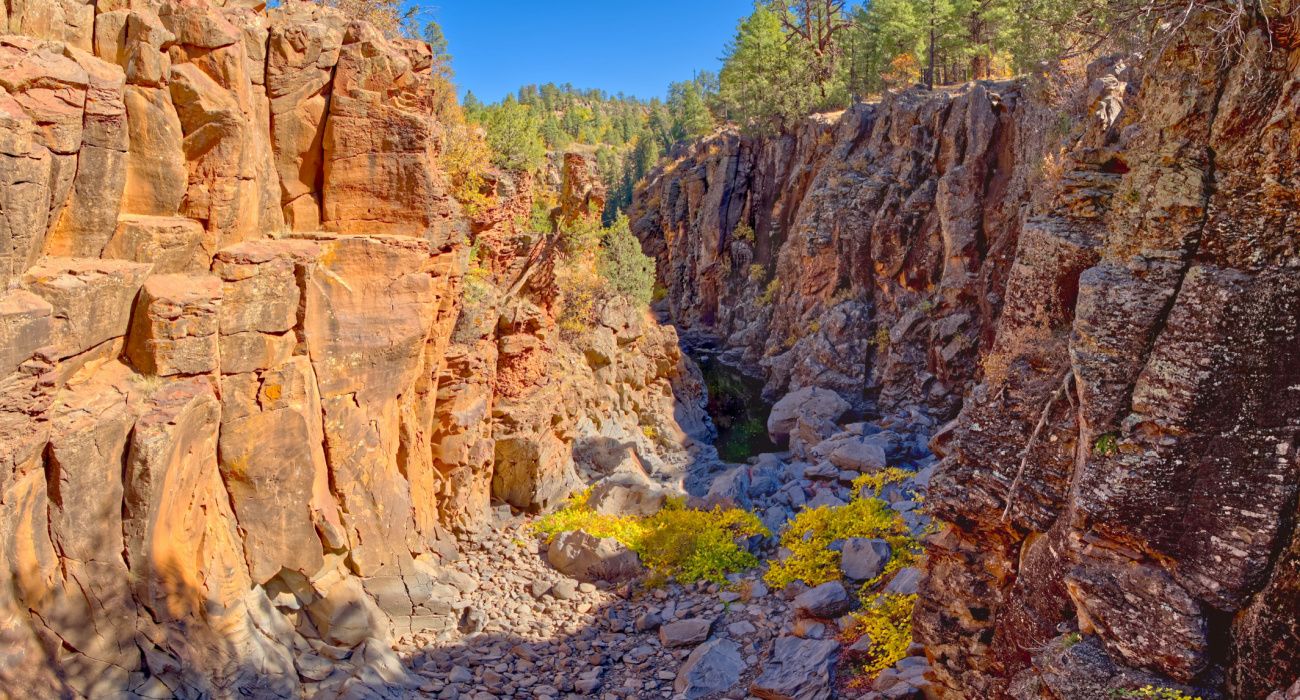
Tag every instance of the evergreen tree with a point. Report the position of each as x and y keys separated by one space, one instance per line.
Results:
x=514 y=135
x=765 y=82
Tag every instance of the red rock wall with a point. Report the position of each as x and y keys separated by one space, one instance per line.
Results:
x=1098 y=273
x=229 y=270
x=881 y=238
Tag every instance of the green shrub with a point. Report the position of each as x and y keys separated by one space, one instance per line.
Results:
x=744 y=232
x=1106 y=445
x=877 y=480
x=881 y=340
x=514 y=135
x=769 y=293
x=756 y=272
x=684 y=543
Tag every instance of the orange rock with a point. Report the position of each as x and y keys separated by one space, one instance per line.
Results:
x=379 y=145
x=272 y=459
x=174 y=330
x=172 y=244
x=92 y=299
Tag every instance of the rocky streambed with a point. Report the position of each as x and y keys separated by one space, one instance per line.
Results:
x=536 y=624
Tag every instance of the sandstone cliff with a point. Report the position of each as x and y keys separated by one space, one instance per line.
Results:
x=236 y=432
x=1097 y=271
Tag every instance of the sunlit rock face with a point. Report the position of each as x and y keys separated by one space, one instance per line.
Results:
x=1095 y=277
x=235 y=427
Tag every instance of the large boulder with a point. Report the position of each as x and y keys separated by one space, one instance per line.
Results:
x=627 y=493
x=863 y=559
x=799 y=669
x=589 y=558
x=813 y=408
x=713 y=667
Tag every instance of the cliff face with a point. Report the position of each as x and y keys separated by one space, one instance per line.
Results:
x=864 y=253
x=236 y=431
x=1098 y=272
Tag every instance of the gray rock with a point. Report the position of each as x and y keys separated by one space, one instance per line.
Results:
x=905 y=582
x=627 y=493
x=825 y=601
x=863 y=559
x=730 y=488
x=859 y=455
x=800 y=669
x=822 y=470
x=712 y=667
x=589 y=558
x=648 y=622
x=811 y=405
x=685 y=632
x=565 y=589
x=460 y=674
x=826 y=498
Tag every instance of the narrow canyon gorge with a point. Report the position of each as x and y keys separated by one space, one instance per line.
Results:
x=281 y=416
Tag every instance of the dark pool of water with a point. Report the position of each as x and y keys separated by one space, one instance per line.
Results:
x=737 y=407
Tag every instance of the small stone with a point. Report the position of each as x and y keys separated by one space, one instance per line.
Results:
x=565 y=589
x=460 y=674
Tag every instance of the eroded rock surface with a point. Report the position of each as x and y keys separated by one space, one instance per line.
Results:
x=236 y=433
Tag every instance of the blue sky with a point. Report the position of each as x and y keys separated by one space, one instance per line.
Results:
x=633 y=46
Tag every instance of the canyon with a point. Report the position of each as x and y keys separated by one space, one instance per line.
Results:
x=278 y=413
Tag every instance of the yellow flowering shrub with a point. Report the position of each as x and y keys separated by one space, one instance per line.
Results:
x=878 y=480
x=885 y=619
x=810 y=534
x=1151 y=692
x=685 y=543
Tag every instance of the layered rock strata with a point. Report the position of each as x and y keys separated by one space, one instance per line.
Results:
x=235 y=431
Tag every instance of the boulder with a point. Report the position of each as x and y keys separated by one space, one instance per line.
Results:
x=533 y=471
x=588 y=558
x=173 y=244
x=799 y=669
x=810 y=405
x=859 y=455
x=713 y=667
x=863 y=559
x=26 y=325
x=626 y=494
x=174 y=330
x=92 y=299
x=906 y=582
x=826 y=601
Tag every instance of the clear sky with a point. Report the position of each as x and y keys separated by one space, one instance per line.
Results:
x=633 y=46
